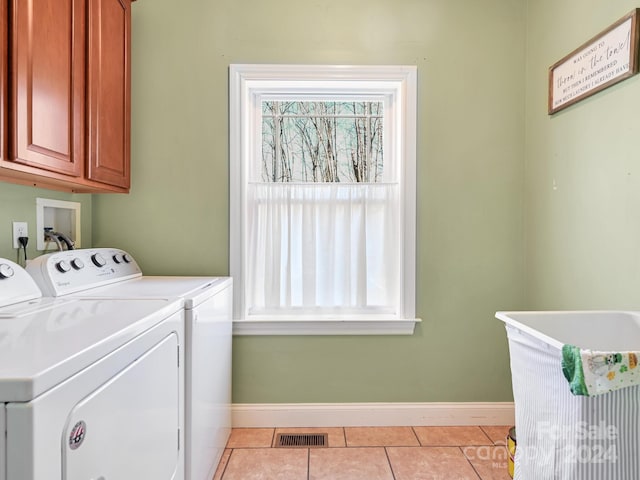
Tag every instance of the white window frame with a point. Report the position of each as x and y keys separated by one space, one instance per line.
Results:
x=248 y=84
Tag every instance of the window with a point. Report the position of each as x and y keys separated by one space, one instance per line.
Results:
x=323 y=199
x=320 y=141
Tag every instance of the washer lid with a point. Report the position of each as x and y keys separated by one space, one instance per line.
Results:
x=192 y=289
x=32 y=306
x=42 y=349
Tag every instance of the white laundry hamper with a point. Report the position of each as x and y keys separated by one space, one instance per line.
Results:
x=566 y=437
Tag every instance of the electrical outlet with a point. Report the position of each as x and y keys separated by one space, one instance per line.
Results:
x=20 y=229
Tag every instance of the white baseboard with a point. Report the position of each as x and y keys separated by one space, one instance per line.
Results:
x=371 y=414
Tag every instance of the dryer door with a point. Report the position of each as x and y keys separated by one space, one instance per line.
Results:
x=128 y=428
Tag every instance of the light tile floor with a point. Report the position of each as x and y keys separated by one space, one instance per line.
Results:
x=369 y=453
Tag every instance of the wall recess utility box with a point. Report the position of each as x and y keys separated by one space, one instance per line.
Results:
x=61 y=216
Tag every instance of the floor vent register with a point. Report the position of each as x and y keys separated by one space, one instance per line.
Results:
x=305 y=440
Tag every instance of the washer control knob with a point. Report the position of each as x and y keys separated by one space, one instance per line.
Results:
x=63 y=266
x=117 y=258
x=126 y=258
x=77 y=264
x=98 y=260
x=5 y=271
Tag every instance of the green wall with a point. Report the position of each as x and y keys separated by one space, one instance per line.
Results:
x=470 y=180
x=516 y=209
x=18 y=203
x=582 y=171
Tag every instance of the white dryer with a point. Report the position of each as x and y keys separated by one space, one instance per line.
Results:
x=89 y=389
x=208 y=335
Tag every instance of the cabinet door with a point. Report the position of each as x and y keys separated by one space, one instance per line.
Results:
x=48 y=46
x=4 y=79
x=109 y=98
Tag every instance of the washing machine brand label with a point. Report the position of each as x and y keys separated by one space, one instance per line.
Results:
x=76 y=437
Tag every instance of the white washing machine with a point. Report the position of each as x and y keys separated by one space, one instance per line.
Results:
x=89 y=389
x=208 y=335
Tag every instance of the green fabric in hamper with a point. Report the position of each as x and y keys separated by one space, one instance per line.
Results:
x=572 y=369
x=604 y=372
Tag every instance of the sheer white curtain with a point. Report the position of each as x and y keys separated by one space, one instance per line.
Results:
x=326 y=250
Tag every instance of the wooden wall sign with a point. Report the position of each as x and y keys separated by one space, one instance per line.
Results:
x=606 y=59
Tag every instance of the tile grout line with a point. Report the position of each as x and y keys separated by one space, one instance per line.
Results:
x=224 y=470
x=386 y=454
x=487 y=435
x=416 y=437
x=470 y=463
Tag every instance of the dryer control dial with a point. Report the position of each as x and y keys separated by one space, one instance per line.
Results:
x=6 y=271
x=77 y=264
x=63 y=266
x=98 y=260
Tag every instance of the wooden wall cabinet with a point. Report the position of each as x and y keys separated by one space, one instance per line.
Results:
x=65 y=91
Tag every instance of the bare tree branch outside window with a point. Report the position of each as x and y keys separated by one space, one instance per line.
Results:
x=322 y=142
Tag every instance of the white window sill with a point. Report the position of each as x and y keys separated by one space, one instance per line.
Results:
x=325 y=327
